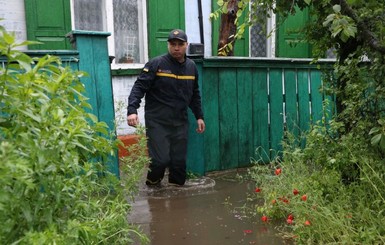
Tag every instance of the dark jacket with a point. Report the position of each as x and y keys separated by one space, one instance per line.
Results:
x=170 y=88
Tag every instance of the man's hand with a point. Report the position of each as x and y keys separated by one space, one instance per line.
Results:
x=132 y=120
x=201 y=126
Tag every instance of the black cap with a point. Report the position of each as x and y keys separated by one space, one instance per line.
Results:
x=177 y=34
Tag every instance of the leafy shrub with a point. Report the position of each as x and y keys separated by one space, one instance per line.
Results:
x=54 y=185
x=310 y=197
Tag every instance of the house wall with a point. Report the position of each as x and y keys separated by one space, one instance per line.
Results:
x=13 y=15
x=121 y=87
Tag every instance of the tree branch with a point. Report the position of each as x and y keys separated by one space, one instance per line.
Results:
x=365 y=34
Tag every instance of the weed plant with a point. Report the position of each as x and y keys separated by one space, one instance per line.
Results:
x=330 y=192
x=55 y=188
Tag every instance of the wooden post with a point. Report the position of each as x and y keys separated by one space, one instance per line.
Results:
x=94 y=59
x=195 y=148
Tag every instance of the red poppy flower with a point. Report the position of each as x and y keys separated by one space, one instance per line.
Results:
x=304 y=198
x=283 y=199
x=257 y=189
x=307 y=223
x=290 y=216
x=278 y=171
x=264 y=218
x=289 y=221
x=295 y=192
x=247 y=231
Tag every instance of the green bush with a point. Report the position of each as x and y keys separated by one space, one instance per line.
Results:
x=333 y=210
x=54 y=185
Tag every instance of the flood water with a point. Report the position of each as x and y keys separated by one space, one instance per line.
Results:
x=204 y=212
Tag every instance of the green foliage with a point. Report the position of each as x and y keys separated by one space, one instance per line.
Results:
x=341 y=168
x=334 y=211
x=340 y=25
x=379 y=134
x=55 y=188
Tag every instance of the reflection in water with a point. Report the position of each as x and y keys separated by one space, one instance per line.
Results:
x=196 y=215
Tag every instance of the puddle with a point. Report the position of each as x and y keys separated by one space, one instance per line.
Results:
x=197 y=215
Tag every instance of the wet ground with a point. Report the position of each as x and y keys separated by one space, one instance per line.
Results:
x=203 y=212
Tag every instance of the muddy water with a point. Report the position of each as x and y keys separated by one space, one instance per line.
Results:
x=200 y=214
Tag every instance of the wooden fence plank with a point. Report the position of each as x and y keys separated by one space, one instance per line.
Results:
x=195 y=148
x=303 y=101
x=276 y=111
x=316 y=96
x=103 y=86
x=260 y=115
x=245 y=117
x=210 y=98
x=94 y=59
x=291 y=108
x=228 y=123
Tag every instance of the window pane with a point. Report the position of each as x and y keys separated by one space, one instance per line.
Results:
x=126 y=31
x=258 y=41
x=89 y=15
x=258 y=37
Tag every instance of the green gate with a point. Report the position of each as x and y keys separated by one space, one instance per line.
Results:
x=248 y=105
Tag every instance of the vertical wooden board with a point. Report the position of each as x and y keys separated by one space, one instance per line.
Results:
x=245 y=116
x=103 y=88
x=303 y=99
x=86 y=53
x=316 y=96
x=210 y=101
x=276 y=111
x=261 y=136
x=94 y=60
x=291 y=108
x=228 y=123
x=195 y=148
x=103 y=82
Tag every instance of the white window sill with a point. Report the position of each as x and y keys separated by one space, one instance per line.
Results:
x=126 y=66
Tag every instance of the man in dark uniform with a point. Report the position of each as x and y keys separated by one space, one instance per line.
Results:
x=170 y=85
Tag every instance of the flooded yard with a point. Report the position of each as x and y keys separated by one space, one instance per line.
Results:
x=204 y=212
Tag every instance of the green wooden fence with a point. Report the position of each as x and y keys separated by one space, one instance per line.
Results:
x=248 y=105
x=248 y=102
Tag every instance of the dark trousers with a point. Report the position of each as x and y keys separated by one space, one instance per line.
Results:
x=167 y=147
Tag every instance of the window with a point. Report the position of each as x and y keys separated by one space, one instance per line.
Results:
x=89 y=15
x=258 y=41
x=124 y=19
